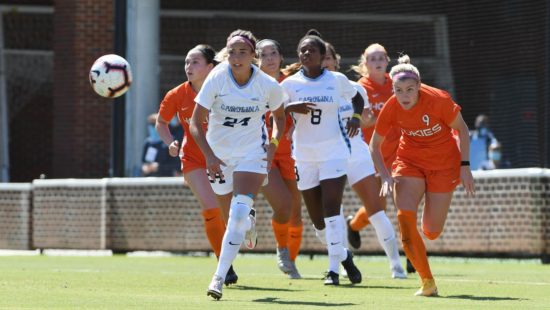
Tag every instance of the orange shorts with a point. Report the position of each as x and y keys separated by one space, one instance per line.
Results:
x=190 y=163
x=437 y=181
x=285 y=164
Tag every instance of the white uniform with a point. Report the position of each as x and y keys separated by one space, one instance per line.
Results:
x=236 y=125
x=320 y=144
x=360 y=164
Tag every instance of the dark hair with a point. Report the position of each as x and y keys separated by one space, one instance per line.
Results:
x=208 y=52
x=336 y=56
x=314 y=36
x=262 y=43
x=245 y=34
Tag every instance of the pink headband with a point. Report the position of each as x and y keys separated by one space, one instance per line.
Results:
x=241 y=39
x=405 y=75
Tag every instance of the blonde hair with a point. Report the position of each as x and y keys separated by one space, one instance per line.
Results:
x=361 y=67
x=404 y=65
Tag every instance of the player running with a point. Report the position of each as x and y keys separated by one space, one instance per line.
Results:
x=287 y=215
x=235 y=98
x=361 y=177
x=429 y=163
x=321 y=147
x=181 y=101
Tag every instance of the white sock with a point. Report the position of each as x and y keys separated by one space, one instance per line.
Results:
x=344 y=228
x=386 y=236
x=321 y=235
x=237 y=225
x=336 y=250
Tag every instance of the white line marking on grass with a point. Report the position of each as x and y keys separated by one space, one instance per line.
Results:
x=54 y=252
x=19 y=253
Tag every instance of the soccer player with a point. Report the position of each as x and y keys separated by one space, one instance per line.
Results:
x=429 y=163
x=321 y=146
x=372 y=69
x=181 y=101
x=287 y=215
x=235 y=98
x=361 y=177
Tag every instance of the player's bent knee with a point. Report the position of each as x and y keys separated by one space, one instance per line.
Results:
x=238 y=214
x=432 y=235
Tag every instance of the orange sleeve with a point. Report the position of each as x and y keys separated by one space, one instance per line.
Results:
x=168 y=106
x=384 y=122
x=449 y=110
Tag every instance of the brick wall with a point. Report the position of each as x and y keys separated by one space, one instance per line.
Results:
x=510 y=216
x=82 y=120
x=15 y=216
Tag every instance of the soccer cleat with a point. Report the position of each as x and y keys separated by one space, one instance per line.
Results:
x=343 y=272
x=294 y=274
x=397 y=272
x=354 y=238
x=283 y=260
x=231 y=277
x=251 y=237
x=354 y=274
x=331 y=278
x=215 y=287
x=428 y=288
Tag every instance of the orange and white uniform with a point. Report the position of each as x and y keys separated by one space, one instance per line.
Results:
x=427 y=148
x=283 y=156
x=181 y=100
x=378 y=95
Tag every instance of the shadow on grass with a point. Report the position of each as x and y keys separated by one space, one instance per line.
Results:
x=256 y=288
x=483 y=298
x=275 y=300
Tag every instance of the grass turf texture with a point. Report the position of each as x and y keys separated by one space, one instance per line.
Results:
x=120 y=282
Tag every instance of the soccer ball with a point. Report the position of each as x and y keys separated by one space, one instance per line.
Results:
x=110 y=76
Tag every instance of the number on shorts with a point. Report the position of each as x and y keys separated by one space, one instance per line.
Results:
x=216 y=177
x=296 y=173
x=231 y=122
x=316 y=116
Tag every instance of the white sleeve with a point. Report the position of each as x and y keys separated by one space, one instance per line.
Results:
x=286 y=96
x=208 y=93
x=346 y=88
x=276 y=96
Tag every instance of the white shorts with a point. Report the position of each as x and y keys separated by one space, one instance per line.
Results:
x=310 y=174
x=360 y=169
x=241 y=164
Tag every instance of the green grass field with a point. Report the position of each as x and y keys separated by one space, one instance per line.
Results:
x=120 y=282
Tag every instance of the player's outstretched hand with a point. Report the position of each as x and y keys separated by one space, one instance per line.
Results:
x=467 y=180
x=300 y=107
x=174 y=148
x=387 y=185
x=353 y=126
x=213 y=167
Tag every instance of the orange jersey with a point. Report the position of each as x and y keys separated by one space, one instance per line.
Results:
x=284 y=148
x=426 y=138
x=181 y=100
x=378 y=95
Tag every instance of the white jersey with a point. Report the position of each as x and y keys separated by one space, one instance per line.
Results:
x=236 y=124
x=359 y=148
x=319 y=135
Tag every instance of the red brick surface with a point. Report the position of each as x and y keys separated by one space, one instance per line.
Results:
x=82 y=120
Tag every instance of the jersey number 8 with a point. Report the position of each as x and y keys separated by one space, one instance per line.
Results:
x=316 y=116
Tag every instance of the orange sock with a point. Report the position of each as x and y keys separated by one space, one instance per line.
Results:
x=215 y=228
x=281 y=233
x=360 y=220
x=413 y=244
x=294 y=240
